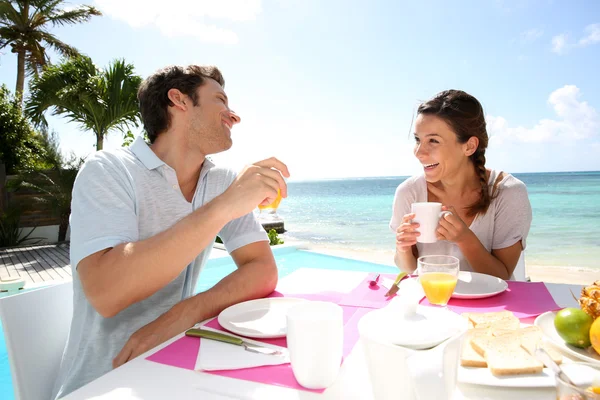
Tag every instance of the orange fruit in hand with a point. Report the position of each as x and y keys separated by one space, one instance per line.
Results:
x=595 y=335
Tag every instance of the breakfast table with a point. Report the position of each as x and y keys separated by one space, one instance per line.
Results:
x=162 y=373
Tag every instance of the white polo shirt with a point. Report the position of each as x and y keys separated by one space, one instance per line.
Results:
x=123 y=196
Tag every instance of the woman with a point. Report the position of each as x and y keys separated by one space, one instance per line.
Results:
x=491 y=213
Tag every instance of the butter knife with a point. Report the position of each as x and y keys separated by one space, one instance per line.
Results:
x=222 y=337
x=395 y=286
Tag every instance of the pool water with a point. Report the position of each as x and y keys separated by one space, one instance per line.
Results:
x=288 y=260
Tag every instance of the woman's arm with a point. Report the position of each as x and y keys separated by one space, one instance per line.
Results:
x=500 y=263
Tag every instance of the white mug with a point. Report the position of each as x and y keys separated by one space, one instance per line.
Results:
x=427 y=215
x=315 y=339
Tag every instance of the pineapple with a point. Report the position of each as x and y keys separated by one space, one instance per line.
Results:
x=590 y=300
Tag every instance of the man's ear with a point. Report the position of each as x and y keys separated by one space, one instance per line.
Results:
x=178 y=99
x=471 y=146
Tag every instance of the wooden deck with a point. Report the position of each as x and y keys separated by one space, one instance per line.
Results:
x=36 y=264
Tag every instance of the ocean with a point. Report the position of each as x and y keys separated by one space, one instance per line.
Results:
x=355 y=213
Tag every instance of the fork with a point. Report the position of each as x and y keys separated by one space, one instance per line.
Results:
x=222 y=337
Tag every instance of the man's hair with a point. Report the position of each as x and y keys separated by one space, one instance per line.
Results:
x=153 y=93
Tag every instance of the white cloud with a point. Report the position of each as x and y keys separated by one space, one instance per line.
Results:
x=575 y=120
x=531 y=35
x=559 y=43
x=184 y=17
x=593 y=35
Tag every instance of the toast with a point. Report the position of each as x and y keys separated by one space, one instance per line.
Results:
x=512 y=361
x=469 y=357
x=498 y=343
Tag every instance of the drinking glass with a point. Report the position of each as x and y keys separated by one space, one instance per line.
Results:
x=438 y=276
x=586 y=377
x=269 y=212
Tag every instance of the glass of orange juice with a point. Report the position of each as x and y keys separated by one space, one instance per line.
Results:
x=269 y=211
x=438 y=276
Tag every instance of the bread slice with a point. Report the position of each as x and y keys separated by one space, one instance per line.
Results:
x=483 y=344
x=489 y=317
x=470 y=323
x=469 y=357
x=512 y=361
x=531 y=337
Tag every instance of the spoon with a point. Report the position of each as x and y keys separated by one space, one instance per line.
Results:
x=543 y=356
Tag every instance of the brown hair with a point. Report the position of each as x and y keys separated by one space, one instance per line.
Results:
x=153 y=98
x=464 y=114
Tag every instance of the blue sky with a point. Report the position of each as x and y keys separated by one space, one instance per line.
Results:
x=330 y=86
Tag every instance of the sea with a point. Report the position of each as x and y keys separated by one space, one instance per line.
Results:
x=354 y=214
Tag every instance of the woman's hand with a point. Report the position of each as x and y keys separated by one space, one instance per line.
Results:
x=452 y=228
x=406 y=234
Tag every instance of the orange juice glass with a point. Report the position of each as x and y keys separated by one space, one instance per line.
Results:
x=275 y=202
x=438 y=276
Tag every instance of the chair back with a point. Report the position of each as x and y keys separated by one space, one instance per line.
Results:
x=36 y=326
x=520 y=274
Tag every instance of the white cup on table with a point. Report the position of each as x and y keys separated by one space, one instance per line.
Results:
x=315 y=339
x=427 y=215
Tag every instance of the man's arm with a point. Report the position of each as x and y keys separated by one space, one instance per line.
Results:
x=117 y=277
x=256 y=277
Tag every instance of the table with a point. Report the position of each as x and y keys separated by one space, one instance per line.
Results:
x=143 y=379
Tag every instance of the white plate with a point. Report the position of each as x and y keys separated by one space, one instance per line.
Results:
x=473 y=285
x=261 y=319
x=546 y=324
x=482 y=376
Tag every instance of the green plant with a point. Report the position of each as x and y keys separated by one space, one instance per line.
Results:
x=25 y=26
x=218 y=240
x=274 y=238
x=53 y=189
x=21 y=147
x=98 y=100
x=10 y=234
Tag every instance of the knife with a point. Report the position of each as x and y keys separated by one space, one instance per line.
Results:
x=395 y=286
x=222 y=337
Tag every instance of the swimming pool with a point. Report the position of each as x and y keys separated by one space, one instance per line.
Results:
x=288 y=258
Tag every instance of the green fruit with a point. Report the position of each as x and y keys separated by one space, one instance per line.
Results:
x=573 y=326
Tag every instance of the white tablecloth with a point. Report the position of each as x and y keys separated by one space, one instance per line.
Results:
x=143 y=379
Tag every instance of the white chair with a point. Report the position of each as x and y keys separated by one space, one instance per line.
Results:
x=520 y=274
x=36 y=325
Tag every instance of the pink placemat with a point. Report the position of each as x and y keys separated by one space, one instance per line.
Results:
x=524 y=299
x=367 y=296
x=183 y=353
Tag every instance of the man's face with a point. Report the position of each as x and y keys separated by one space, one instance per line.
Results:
x=211 y=119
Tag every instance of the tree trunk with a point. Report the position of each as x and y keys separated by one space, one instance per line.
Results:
x=99 y=141
x=62 y=227
x=20 y=76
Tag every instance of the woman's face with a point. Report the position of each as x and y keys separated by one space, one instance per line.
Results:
x=437 y=148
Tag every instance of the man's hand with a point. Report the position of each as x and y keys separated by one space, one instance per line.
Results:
x=147 y=337
x=257 y=184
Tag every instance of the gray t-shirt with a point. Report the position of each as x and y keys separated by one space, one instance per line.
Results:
x=123 y=196
x=506 y=221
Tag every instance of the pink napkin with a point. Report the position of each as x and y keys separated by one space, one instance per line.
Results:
x=368 y=296
x=183 y=353
x=524 y=299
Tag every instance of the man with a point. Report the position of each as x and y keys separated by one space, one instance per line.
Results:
x=144 y=220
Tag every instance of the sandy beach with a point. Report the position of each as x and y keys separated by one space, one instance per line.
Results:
x=537 y=273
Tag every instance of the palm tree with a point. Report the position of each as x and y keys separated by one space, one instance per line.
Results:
x=99 y=100
x=24 y=26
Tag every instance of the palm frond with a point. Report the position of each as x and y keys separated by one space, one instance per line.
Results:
x=8 y=14
x=76 y=15
x=61 y=47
